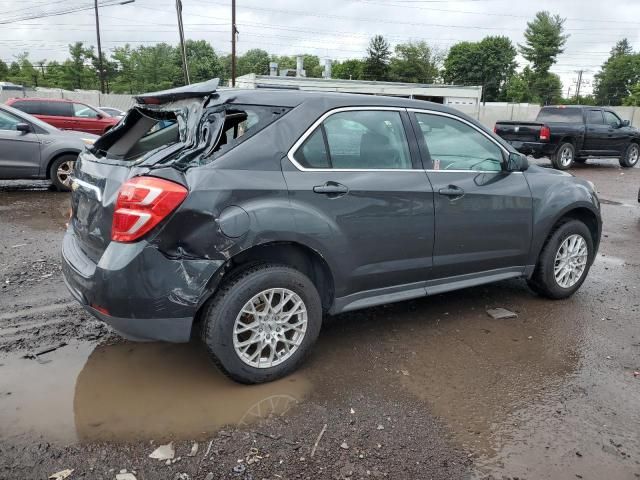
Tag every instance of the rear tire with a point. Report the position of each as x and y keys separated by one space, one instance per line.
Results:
x=61 y=170
x=558 y=273
x=245 y=337
x=564 y=157
x=631 y=156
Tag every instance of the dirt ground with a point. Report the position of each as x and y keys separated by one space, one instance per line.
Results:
x=427 y=389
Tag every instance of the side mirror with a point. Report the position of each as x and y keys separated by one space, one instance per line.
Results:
x=517 y=162
x=23 y=127
x=626 y=123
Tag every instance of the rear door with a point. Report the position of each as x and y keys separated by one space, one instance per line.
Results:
x=58 y=114
x=360 y=196
x=19 y=151
x=483 y=215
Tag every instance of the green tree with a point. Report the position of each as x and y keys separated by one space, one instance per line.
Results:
x=348 y=70
x=619 y=73
x=255 y=61
x=633 y=100
x=202 y=60
x=79 y=69
x=4 y=70
x=544 y=41
x=547 y=88
x=377 y=62
x=518 y=87
x=414 y=62
x=489 y=63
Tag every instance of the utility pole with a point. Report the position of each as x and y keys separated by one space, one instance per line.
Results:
x=234 y=31
x=101 y=72
x=183 y=48
x=579 y=83
x=100 y=66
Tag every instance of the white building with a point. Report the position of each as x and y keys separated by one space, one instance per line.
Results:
x=452 y=95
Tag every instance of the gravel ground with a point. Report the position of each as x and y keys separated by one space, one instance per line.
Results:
x=432 y=388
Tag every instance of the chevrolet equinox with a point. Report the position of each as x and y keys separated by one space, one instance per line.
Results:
x=244 y=216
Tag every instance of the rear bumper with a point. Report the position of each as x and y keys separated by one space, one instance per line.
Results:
x=537 y=149
x=140 y=292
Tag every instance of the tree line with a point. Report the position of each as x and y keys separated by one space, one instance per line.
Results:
x=490 y=63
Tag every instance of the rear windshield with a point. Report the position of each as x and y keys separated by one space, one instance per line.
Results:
x=205 y=133
x=554 y=114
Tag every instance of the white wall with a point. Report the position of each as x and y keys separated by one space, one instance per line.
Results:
x=488 y=114
x=123 y=102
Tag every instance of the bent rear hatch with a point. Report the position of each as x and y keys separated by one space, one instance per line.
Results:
x=165 y=134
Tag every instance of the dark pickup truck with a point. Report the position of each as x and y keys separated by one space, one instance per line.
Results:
x=568 y=134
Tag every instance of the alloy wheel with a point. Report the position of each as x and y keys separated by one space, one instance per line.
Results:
x=633 y=155
x=566 y=156
x=65 y=171
x=571 y=261
x=270 y=328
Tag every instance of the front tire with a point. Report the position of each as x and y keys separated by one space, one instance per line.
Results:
x=61 y=171
x=631 y=156
x=564 y=261
x=260 y=325
x=564 y=157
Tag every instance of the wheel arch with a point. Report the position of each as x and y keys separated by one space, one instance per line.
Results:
x=54 y=157
x=293 y=254
x=583 y=214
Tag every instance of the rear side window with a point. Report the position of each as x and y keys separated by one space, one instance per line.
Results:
x=594 y=117
x=32 y=108
x=357 y=140
x=559 y=115
x=56 y=109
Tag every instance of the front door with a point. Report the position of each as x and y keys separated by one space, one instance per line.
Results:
x=362 y=200
x=483 y=215
x=597 y=138
x=619 y=135
x=19 y=151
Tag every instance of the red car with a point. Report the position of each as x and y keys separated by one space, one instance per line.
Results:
x=66 y=114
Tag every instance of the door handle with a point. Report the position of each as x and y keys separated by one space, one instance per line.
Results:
x=452 y=191
x=331 y=188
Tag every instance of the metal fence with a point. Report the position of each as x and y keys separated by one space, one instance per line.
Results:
x=488 y=114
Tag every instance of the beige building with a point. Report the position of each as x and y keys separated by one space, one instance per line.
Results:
x=452 y=95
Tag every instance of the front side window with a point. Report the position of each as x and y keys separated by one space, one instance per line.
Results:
x=82 y=111
x=612 y=119
x=358 y=140
x=454 y=145
x=594 y=117
x=8 y=121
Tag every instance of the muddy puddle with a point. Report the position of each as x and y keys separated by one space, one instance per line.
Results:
x=39 y=209
x=127 y=392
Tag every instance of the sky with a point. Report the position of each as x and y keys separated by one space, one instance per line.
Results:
x=336 y=29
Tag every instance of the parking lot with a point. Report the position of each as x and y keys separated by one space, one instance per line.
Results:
x=431 y=388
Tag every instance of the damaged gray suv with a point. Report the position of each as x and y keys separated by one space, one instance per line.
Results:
x=245 y=216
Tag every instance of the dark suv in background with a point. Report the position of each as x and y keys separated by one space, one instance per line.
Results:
x=66 y=114
x=259 y=211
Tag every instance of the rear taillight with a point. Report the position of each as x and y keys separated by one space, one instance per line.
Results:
x=495 y=129
x=545 y=134
x=142 y=203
